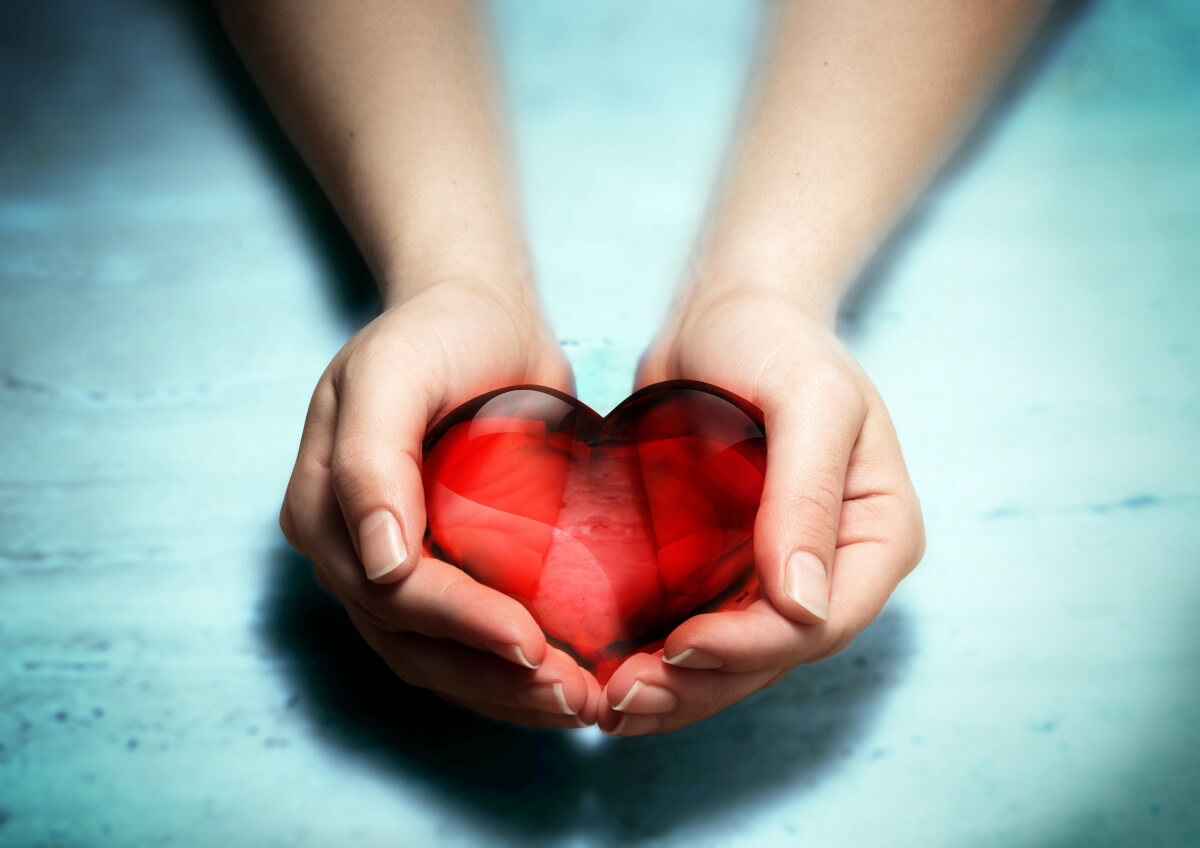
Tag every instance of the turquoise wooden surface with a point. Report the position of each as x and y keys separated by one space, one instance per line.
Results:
x=171 y=286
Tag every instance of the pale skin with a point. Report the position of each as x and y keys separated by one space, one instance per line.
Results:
x=394 y=105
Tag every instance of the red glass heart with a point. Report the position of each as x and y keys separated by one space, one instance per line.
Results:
x=609 y=530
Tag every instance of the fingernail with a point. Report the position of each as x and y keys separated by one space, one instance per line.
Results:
x=805 y=582
x=381 y=544
x=647 y=699
x=545 y=697
x=511 y=652
x=691 y=658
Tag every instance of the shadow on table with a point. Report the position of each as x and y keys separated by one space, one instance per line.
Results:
x=351 y=290
x=537 y=786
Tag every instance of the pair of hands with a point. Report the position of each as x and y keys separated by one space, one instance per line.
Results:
x=838 y=526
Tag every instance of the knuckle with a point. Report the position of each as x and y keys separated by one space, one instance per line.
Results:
x=918 y=550
x=837 y=642
x=828 y=386
x=353 y=470
x=438 y=613
x=710 y=700
x=847 y=637
x=794 y=652
x=776 y=678
x=323 y=579
x=367 y=606
x=918 y=534
x=376 y=360
x=360 y=366
x=815 y=508
x=323 y=397
x=911 y=527
x=289 y=523
x=821 y=377
x=786 y=656
x=296 y=525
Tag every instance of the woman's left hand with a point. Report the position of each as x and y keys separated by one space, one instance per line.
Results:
x=838 y=527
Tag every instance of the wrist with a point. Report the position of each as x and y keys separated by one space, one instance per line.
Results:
x=512 y=297
x=808 y=273
x=508 y=280
x=711 y=284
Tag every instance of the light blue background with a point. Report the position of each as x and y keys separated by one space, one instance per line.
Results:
x=171 y=287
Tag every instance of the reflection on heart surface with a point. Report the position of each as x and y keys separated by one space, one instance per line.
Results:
x=610 y=530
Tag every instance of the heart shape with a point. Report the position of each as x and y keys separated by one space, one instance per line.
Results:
x=609 y=530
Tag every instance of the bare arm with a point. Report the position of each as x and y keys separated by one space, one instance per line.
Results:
x=852 y=109
x=394 y=107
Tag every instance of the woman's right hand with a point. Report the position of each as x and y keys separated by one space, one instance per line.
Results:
x=355 y=503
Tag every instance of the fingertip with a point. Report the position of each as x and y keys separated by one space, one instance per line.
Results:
x=595 y=692
x=514 y=653
x=703 y=641
x=621 y=702
x=693 y=658
x=534 y=647
x=568 y=684
x=385 y=556
x=802 y=593
x=607 y=718
x=576 y=694
x=635 y=669
x=525 y=644
x=401 y=571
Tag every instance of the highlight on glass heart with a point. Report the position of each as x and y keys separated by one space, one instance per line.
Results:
x=610 y=530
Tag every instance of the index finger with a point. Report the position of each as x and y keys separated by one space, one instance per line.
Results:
x=760 y=637
x=437 y=599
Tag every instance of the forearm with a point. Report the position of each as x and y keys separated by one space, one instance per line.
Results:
x=393 y=105
x=852 y=110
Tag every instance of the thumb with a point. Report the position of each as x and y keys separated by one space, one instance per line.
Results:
x=376 y=470
x=795 y=532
